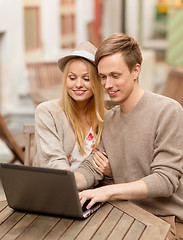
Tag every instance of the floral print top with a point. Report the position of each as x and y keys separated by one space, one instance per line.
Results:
x=75 y=158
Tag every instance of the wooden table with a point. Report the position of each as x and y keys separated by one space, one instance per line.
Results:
x=114 y=220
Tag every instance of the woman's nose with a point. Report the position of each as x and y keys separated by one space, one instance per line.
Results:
x=79 y=83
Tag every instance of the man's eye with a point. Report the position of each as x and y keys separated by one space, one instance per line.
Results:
x=102 y=77
x=115 y=75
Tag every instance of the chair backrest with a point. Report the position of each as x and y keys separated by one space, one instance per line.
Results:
x=45 y=81
x=174 y=85
x=44 y=75
x=8 y=138
x=30 y=146
x=109 y=104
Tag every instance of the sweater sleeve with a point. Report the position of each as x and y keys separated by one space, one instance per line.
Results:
x=167 y=165
x=50 y=152
x=88 y=170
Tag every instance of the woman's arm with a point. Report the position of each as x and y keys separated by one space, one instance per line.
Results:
x=49 y=137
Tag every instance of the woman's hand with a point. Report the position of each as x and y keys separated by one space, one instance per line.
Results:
x=101 y=163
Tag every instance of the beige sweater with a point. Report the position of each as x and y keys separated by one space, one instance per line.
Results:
x=55 y=138
x=147 y=144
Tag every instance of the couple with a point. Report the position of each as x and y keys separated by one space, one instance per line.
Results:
x=141 y=141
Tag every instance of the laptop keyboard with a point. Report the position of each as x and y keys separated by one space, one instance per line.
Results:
x=93 y=207
x=84 y=206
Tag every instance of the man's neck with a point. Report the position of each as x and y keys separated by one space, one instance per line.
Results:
x=132 y=101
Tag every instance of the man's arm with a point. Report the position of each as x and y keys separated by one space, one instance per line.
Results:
x=80 y=181
x=124 y=191
x=87 y=175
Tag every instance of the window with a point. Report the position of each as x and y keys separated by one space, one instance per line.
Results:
x=67 y=19
x=32 y=28
x=32 y=32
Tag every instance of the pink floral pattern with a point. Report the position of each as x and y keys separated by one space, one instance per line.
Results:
x=69 y=158
x=75 y=158
x=90 y=137
x=92 y=146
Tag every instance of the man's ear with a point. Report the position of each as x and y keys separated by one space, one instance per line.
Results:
x=137 y=69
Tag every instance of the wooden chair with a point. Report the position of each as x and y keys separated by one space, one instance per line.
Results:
x=174 y=85
x=16 y=143
x=30 y=146
x=45 y=81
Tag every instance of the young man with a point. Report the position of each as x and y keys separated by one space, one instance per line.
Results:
x=142 y=137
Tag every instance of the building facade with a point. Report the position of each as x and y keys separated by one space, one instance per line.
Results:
x=44 y=30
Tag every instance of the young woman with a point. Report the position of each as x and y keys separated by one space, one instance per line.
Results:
x=67 y=130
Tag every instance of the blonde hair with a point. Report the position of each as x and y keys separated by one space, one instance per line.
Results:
x=94 y=107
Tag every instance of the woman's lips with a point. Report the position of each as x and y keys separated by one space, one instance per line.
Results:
x=79 y=92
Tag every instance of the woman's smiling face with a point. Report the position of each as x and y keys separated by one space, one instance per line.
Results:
x=78 y=83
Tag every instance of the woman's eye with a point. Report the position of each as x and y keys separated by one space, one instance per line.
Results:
x=72 y=77
x=86 y=79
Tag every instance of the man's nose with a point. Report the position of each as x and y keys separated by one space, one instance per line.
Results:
x=108 y=83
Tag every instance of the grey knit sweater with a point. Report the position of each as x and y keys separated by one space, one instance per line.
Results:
x=147 y=144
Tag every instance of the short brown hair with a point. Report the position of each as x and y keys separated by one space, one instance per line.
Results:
x=120 y=43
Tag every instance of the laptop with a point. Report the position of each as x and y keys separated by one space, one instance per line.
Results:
x=43 y=190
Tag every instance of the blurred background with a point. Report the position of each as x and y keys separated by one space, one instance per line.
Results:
x=34 y=34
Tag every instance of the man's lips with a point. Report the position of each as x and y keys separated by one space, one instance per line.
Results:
x=112 y=93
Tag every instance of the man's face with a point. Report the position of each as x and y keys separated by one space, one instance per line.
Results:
x=117 y=80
